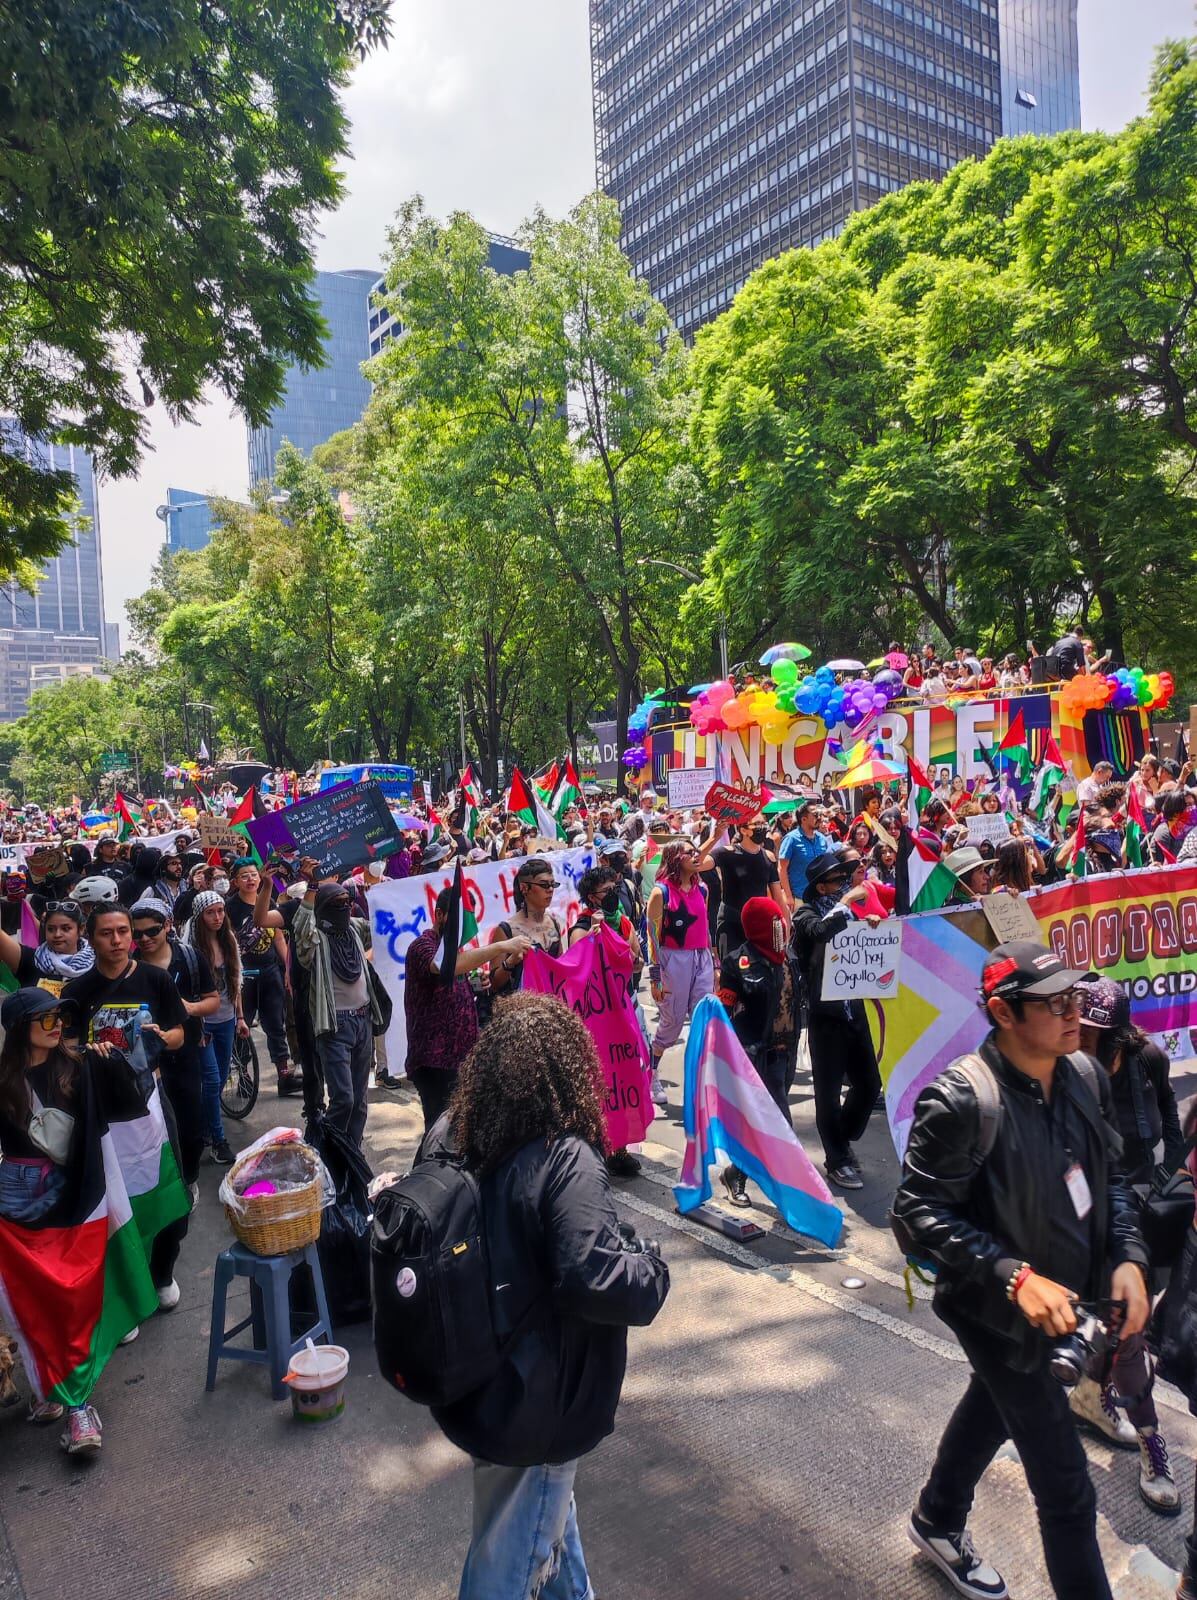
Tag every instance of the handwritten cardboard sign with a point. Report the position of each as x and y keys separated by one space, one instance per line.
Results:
x=990 y=826
x=862 y=963
x=215 y=834
x=344 y=827
x=686 y=787
x=1010 y=917
x=726 y=804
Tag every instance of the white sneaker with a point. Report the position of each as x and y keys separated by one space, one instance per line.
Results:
x=1094 y=1406
x=130 y=1336
x=657 y=1091
x=82 y=1432
x=1156 y=1483
x=168 y=1298
x=194 y=1191
x=954 y=1555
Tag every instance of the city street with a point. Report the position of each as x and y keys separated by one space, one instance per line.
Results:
x=773 y=1430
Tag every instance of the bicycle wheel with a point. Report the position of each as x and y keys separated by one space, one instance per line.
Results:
x=239 y=1091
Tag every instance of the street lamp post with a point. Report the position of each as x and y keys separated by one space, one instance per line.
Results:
x=656 y=561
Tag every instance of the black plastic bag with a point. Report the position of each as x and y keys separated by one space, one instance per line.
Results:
x=345 y=1226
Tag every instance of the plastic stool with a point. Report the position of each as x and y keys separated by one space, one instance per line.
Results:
x=270 y=1311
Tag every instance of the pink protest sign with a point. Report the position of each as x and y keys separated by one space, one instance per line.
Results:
x=592 y=980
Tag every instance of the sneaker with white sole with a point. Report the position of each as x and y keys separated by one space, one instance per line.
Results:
x=1156 y=1483
x=81 y=1436
x=130 y=1336
x=41 y=1411
x=1094 y=1405
x=657 y=1091
x=168 y=1296
x=845 y=1176
x=954 y=1555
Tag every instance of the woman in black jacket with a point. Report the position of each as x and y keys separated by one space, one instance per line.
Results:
x=527 y=1115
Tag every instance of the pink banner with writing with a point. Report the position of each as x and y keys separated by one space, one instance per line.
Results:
x=592 y=980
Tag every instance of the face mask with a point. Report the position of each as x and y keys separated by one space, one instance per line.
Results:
x=609 y=904
x=759 y=835
x=221 y=885
x=335 y=917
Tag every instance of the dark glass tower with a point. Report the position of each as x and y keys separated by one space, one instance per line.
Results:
x=731 y=130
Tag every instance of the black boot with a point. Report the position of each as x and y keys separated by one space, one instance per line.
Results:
x=736 y=1185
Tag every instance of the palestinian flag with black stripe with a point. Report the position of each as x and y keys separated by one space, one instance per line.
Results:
x=461 y=928
x=73 y=1284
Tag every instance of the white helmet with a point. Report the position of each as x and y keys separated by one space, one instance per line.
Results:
x=96 y=891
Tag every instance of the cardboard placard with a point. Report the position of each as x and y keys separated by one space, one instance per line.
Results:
x=990 y=826
x=1010 y=917
x=215 y=834
x=686 y=787
x=344 y=827
x=726 y=804
x=862 y=963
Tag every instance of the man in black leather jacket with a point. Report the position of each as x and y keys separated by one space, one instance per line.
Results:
x=1018 y=1236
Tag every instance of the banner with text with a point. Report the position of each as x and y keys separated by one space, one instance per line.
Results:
x=1138 y=928
x=401 y=909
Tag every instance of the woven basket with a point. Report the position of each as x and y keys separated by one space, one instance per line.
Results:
x=276 y=1224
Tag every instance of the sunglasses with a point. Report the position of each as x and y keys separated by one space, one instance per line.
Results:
x=67 y=908
x=541 y=883
x=49 y=1020
x=141 y=934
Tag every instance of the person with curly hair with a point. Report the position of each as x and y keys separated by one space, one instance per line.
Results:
x=527 y=1117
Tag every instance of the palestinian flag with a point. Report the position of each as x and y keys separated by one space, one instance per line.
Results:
x=467 y=811
x=1136 y=828
x=568 y=792
x=248 y=811
x=546 y=782
x=921 y=789
x=461 y=928
x=1072 y=853
x=1014 y=747
x=1047 y=779
x=72 y=1286
x=922 y=881
x=129 y=814
x=525 y=801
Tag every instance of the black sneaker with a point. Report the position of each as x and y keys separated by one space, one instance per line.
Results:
x=222 y=1155
x=955 y=1557
x=623 y=1164
x=289 y=1083
x=384 y=1080
x=734 y=1181
x=845 y=1176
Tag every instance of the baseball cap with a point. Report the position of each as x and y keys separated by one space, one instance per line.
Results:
x=613 y=847
x=1024 y=969
x=1104 y=1004
x=24 y=1004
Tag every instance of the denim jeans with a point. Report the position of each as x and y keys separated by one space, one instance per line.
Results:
x=1031 y=1409
x=214 y=1064
x=525 y=1543
x=346 y=1058
x=27 y=1192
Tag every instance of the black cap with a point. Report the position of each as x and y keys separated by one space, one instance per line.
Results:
x=25 y=1004
x=1024 y=969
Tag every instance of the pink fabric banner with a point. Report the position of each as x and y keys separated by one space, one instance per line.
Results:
x=592 y=980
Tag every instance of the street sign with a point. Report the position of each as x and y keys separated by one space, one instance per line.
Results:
x=116 y=761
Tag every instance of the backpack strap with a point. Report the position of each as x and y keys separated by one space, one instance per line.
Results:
x=1083 y=1066
x=982 y=1082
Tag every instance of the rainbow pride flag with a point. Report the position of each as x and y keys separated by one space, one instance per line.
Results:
x=729 y=1111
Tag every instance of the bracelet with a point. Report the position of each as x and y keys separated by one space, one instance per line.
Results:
x=508 y=964
x=1017 y=1278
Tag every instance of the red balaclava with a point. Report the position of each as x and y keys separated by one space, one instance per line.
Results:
x=764 y=928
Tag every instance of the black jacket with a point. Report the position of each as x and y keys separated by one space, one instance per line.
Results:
x=978 y=1222
x=1145 y=1112
x=810 y=934
x=756 y=982
x=560 y=1268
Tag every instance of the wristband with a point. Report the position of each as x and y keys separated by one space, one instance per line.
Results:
x=1017 y=1279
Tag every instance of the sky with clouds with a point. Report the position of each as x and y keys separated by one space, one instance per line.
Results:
x=484 y=106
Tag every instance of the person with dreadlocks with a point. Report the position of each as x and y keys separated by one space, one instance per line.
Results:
x=62 y=954
x=345 y=999
x=527 y=1118
x=680 y=968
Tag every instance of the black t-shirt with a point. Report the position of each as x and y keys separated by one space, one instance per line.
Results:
x=743 y=874
x=1070 y=653
x=301 y=976
x=190 y=989
x=110 y=1011
x=256 y=945
x=25 y=972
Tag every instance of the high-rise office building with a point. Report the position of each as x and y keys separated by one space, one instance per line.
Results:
x=323 y=400
x=503 y=255
x=731 y=130
x=187 y=516
x=62 y=623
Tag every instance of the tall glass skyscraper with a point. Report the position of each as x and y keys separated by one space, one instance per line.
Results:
x=187 y=516
x=62 y=623
x=1041 y=77
x=324 y=400
x=731 y=130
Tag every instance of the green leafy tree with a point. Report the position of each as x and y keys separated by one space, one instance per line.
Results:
x=161 y=170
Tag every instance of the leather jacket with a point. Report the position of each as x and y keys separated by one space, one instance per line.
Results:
x=979 y=1220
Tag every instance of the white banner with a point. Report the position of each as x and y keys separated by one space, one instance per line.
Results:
x=401 y=909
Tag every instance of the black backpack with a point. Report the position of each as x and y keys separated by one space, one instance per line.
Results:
x=434 y=1330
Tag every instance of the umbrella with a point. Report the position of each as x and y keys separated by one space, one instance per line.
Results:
x=898 y=660
x=699 y=688
x=846 y=664
x=871 y=771
x=784 y=652
x=873 y=665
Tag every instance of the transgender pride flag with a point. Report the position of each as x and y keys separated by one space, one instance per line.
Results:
x=729 y=1110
